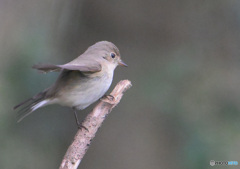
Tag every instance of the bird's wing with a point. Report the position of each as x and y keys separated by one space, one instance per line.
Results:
x=83 y=65
x=45 y=68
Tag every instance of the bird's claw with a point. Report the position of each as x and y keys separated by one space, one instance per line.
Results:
x=80 y=126
x=108 y=99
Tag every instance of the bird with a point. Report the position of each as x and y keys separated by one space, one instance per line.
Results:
x=80 y=83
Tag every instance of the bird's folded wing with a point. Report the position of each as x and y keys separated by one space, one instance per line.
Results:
x=84 y=66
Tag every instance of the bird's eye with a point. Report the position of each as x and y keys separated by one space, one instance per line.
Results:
x=113 y=55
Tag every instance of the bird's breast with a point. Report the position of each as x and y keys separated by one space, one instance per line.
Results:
x=83 y=91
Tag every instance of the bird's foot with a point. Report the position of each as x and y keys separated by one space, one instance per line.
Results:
x=108 y=99
x=80 y=126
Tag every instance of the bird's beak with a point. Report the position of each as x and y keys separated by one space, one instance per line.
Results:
x=121 y=63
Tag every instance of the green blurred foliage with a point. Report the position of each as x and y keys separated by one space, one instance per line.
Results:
x=184 y=63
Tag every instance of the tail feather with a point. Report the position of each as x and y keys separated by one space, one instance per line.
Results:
x=24 y=102
x=30 y=105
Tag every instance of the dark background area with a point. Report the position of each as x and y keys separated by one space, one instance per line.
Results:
x=184 y=63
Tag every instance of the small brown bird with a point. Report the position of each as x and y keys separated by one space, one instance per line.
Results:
x=81 y=81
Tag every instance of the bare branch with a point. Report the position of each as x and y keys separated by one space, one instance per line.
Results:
x=93 y=121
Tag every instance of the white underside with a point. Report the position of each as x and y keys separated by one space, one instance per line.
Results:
x=82 y=96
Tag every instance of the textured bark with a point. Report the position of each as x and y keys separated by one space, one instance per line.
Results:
x=93 y=121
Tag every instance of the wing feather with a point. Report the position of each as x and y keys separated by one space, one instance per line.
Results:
x=83 y=65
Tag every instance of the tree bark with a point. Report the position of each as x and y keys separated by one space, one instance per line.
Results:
x=92 y=122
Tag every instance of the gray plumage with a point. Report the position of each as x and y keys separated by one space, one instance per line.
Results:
x=81 y=81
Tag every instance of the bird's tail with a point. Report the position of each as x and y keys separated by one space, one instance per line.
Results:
x=30 y=105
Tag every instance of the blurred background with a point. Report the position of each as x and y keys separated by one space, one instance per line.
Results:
x=184 y=63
